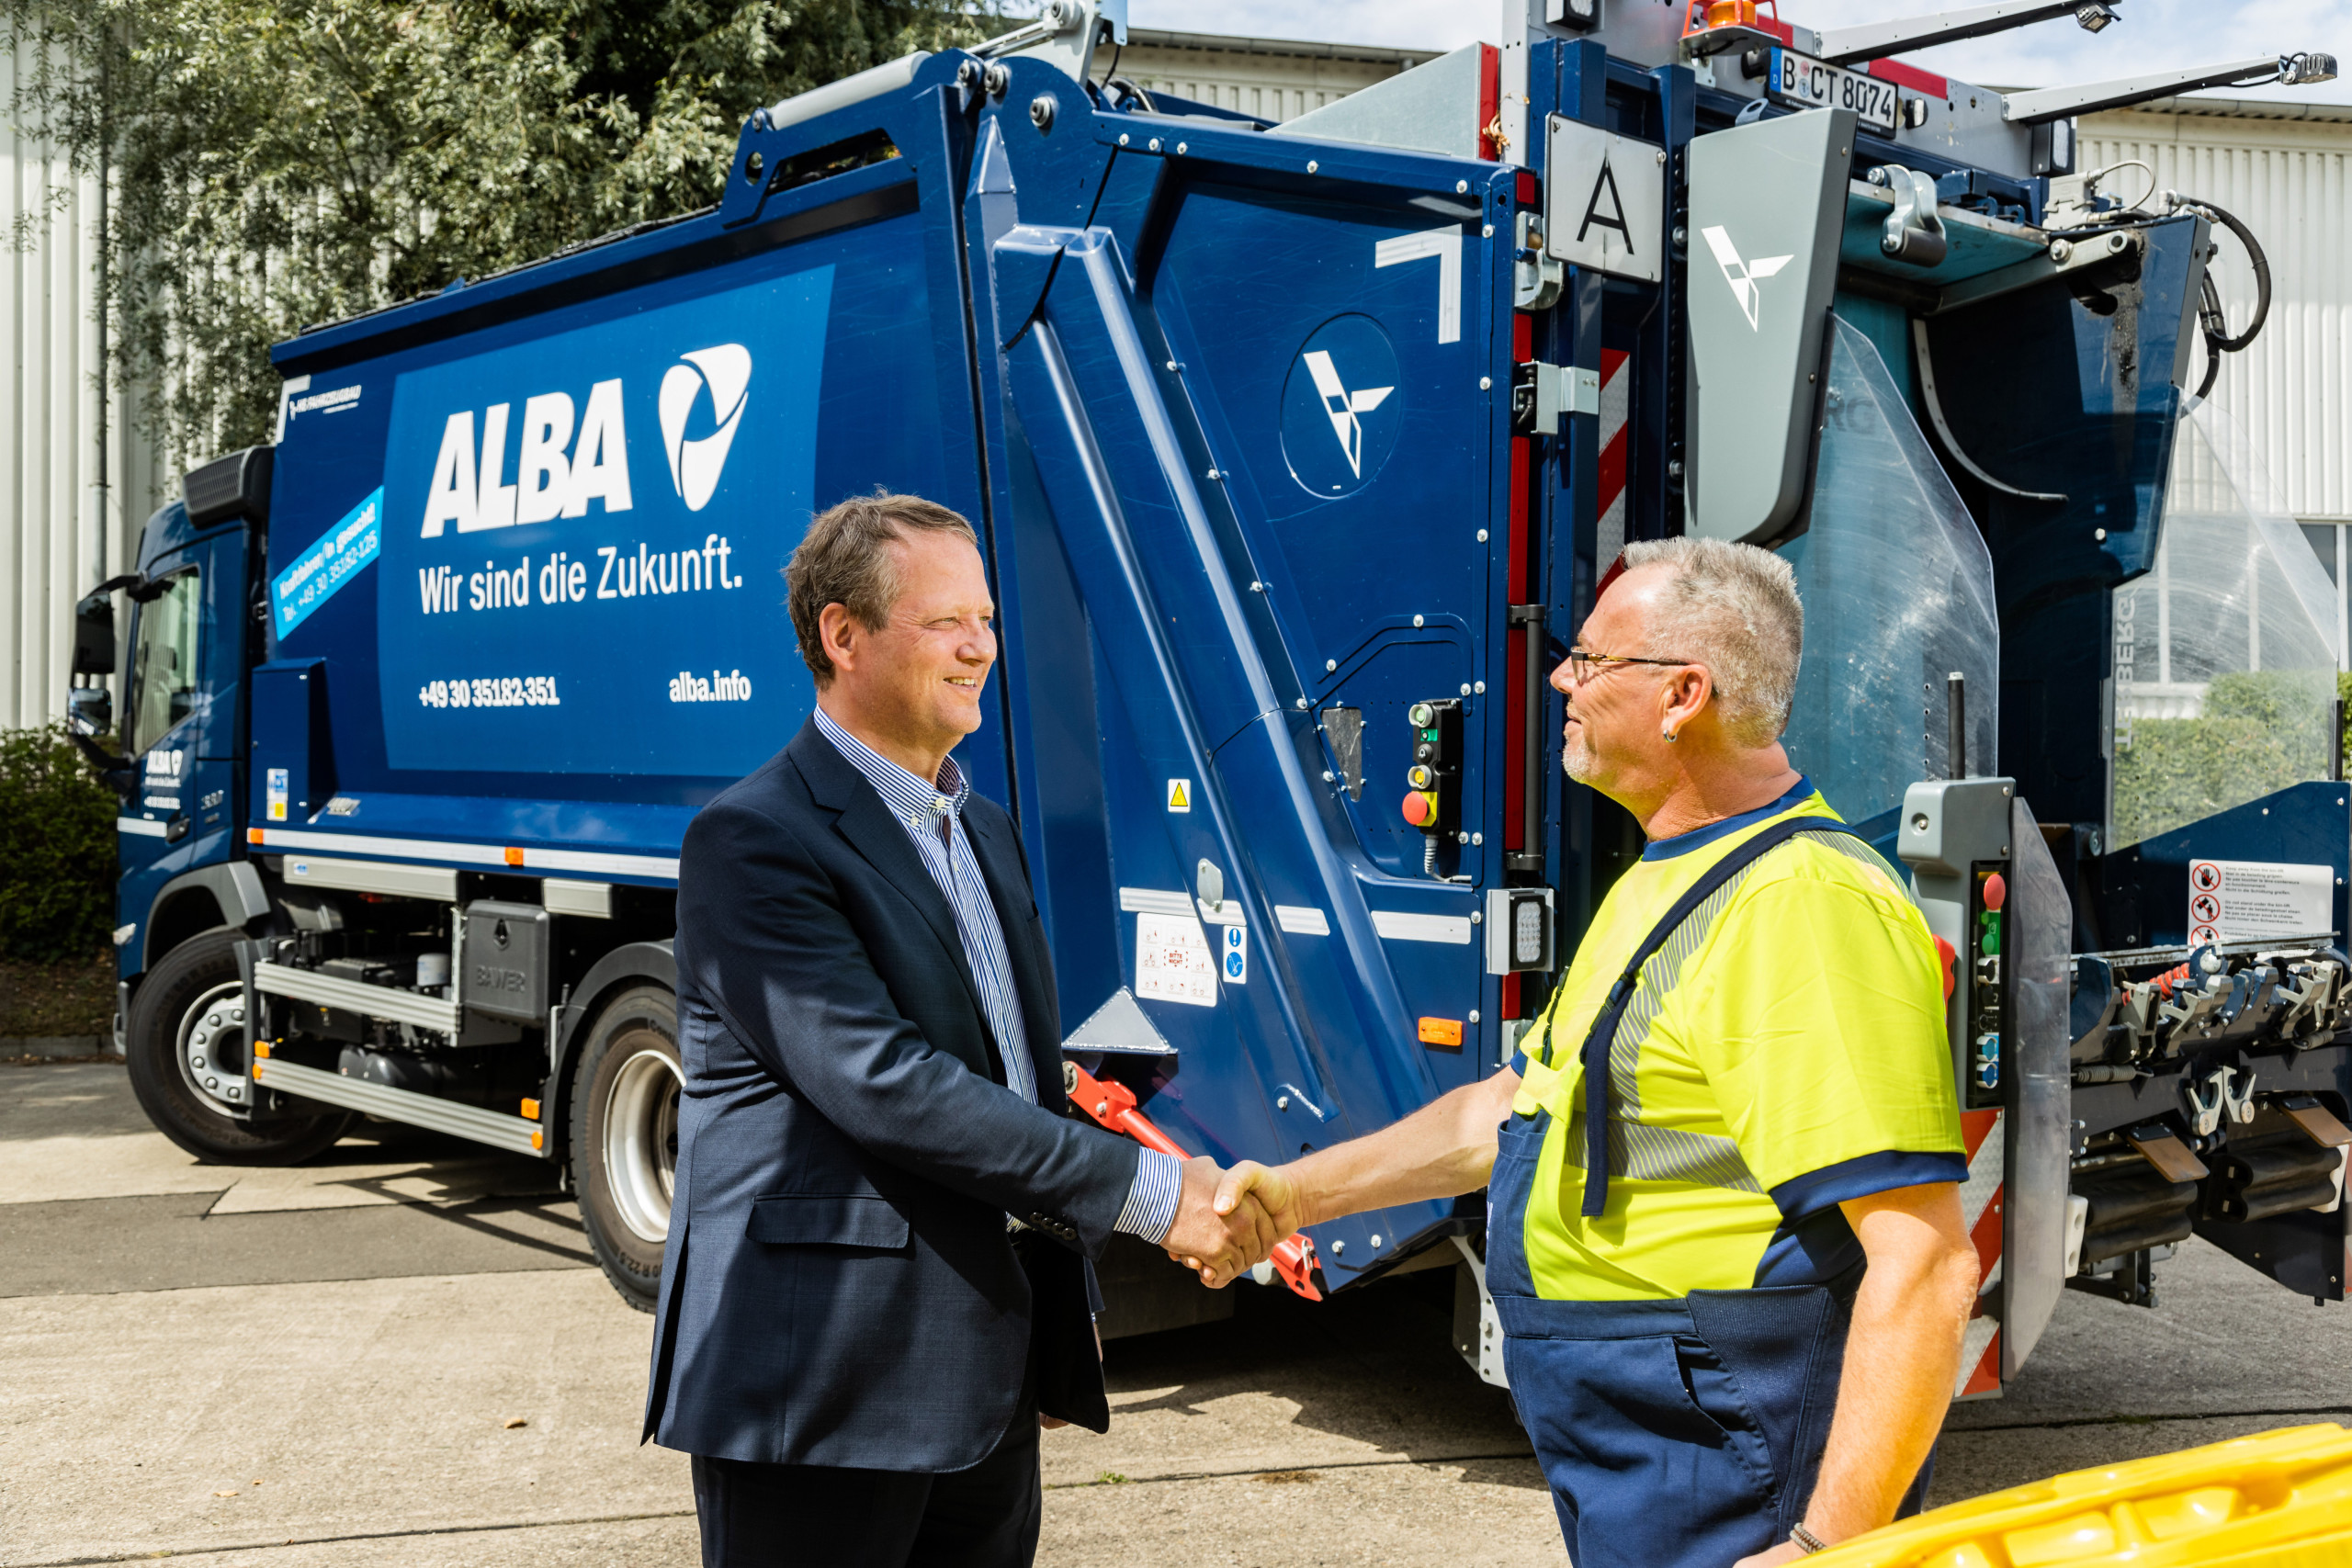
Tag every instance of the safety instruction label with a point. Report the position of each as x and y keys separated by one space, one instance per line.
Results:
x=1237 y=955
x=279 y=791
x=2240 y=900
x=1173 y=963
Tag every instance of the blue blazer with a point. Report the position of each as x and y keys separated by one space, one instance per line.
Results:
x=838 y=1287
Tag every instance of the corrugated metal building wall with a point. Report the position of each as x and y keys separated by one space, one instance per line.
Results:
x=53 y=512
x=2282 y=168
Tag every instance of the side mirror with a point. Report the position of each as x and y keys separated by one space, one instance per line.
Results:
x=90 y=710
x=94 y=641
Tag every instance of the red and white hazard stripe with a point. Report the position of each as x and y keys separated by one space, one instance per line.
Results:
x=1981 y=1203
x=1616 y=438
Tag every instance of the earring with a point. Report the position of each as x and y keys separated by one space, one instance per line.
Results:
x=1669 y=736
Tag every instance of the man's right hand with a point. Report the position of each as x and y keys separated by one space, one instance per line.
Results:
x=1218 y=1240
x=1275 y=1189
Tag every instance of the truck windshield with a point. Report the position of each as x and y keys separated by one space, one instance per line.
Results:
x=1897 y=588
x=163 y=677
x=2224 y=653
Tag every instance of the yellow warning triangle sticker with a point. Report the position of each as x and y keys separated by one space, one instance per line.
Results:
x=1179 y=796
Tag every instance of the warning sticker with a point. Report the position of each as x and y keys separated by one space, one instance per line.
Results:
x=1180 y=794
x=1236 y=955
x=2237 y=900
x=277 y=793
x=1172 y=961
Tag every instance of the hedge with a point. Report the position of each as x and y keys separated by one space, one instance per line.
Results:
x=2258 y=734
x=57 y=839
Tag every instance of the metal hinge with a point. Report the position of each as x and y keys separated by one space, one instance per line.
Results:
x=1540 y=394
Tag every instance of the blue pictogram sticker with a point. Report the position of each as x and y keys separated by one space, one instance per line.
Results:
x=1236 y=955
x=333 y=559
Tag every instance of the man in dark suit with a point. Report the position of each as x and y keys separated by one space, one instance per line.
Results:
x=876 y=1286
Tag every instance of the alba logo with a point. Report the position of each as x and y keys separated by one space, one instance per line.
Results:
x=1743 y=276
x=1343 y=406
x=695 y=466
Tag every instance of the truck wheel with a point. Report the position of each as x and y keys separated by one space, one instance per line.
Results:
x=625 y=1137
x=185 y=1044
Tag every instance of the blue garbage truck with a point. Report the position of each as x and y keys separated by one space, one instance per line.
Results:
x=1297 y=452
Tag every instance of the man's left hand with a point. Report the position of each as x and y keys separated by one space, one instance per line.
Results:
x=1787 y=1552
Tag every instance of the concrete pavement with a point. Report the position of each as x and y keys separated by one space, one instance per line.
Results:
x=318 y=1366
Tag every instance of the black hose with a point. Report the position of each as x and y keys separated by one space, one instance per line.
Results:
x=1130 y=93
x=2218 y=339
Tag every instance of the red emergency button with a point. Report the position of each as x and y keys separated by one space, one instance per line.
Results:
x=1421 y=808
x=1997 y=891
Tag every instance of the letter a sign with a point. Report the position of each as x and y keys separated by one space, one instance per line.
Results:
x=1605 y=204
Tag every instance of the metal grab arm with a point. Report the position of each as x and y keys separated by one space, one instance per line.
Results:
x=1844 y=46
x=2059 y=103
x=1114 y=1105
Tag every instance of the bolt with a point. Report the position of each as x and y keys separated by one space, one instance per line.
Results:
x=1480 y=688
x=1282 y=1102
x=1257 y=588
x=1461 y=188
x=2099 y=535
x=1482 y=539
x=1339 y=1246
x=1179 y=149
x=1302 y=707
x=1123 y=139
x=1310 y=165
x=2061 y=251
x=1330 y=777
x=1330 y=664
x=1464 y=837
x=1466 y=689
x=1416 y=620
x=1486 y=232
x=996 y=79
x=1375 y=1239
x=1476 y=838
x=1154 y=144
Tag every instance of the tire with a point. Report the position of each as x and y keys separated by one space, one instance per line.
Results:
x=625 y=1137
x=191 y=1008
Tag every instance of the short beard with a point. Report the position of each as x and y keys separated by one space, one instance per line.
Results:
x=1576 y=761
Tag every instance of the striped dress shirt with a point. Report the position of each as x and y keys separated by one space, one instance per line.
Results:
x=932 y=815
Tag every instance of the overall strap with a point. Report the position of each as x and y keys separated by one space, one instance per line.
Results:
x=1603 y=1036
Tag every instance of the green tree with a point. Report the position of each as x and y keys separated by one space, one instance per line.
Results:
x=277 y=164
x=57 y=842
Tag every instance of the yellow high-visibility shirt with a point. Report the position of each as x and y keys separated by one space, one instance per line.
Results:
x=1785 y=1052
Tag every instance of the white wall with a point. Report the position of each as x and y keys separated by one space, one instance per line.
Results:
x=52 y=510
x=2287 y=179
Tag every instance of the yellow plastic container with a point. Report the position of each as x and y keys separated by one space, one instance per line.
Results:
x=2277 y=1500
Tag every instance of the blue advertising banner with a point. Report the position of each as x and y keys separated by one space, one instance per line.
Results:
x=580 y=538
x=333 y=559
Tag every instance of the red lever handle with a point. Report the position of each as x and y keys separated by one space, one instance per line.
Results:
x=1114 y=1105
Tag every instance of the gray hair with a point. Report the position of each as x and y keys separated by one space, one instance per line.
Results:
x=1735 y=609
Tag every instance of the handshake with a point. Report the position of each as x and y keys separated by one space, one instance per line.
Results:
x=1227 y=1222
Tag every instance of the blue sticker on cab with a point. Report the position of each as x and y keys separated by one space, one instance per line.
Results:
x=333 y=559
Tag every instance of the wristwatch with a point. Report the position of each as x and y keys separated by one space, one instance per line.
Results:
x=1807 y=1539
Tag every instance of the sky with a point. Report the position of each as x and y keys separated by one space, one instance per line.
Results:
x=2149 y=36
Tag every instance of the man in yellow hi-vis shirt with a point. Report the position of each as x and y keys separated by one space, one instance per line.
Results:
x=1732 y=1340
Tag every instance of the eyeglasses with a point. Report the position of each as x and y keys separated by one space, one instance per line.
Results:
x=1584 y=664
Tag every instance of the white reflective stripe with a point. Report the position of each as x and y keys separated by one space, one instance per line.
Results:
x=663 y=868
x=1301 y=919
x=1984 y=1181
x=1971 y=1349
x=1152 y=901
x=139 y=827
x=1399 y=926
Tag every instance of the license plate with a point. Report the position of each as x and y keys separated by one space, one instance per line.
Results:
x=1805 y=83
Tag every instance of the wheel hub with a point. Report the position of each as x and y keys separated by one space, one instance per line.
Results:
x=641 y=1143
x=212 y=1047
